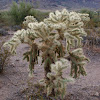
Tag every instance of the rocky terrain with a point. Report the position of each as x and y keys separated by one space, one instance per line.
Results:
x=57 y=4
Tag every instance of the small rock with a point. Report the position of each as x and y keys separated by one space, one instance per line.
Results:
x=17 y=59
x=35 y=73
x=16 y=27
x=3 y=32
x=24 y=96
x=96 y=94
x=13 y=64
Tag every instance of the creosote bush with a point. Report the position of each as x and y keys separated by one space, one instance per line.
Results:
x=18 y=11
x=56 y=57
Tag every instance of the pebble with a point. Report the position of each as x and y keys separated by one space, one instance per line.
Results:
x=17 y=59
x=96 y=94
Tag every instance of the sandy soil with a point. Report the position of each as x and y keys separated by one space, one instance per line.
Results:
x=15 y=78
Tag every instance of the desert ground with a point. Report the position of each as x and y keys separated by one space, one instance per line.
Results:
x=15 y=79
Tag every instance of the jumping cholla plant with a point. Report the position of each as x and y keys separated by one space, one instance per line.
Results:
x=56 y=55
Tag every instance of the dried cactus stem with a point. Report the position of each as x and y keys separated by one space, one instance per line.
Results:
x=47 y=69
x=33 y=57
x=60 y=34
x=31 y=62
x=1 y=69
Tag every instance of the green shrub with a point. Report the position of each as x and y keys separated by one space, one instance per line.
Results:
x=39 y=15
x=3 y=32
x=94 y=18
x=91 y=13
x=19 y=11
x=4 y=18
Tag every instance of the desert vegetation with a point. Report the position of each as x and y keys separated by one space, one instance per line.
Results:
x=55 y=42
x=92 y=28
x=52 y=31
x=16 y=14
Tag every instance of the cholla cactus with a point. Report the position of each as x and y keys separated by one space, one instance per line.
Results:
x=78 y=61
x=50 y=33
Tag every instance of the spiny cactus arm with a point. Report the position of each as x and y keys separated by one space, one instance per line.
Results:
x=69 y=39
x=32 y=57
x=58 y=20
x=21 y=36
x=59 y=66
x=25 y=36
x=12 y=44
x=56 y=79
x=29 y=19
x=49 y=89
x=60 y=50
x=41 y=29
x=78 y=61
x=77 y=22
x=74 y=17
x=74 y=34
x=75 y=30
x=84 y=17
